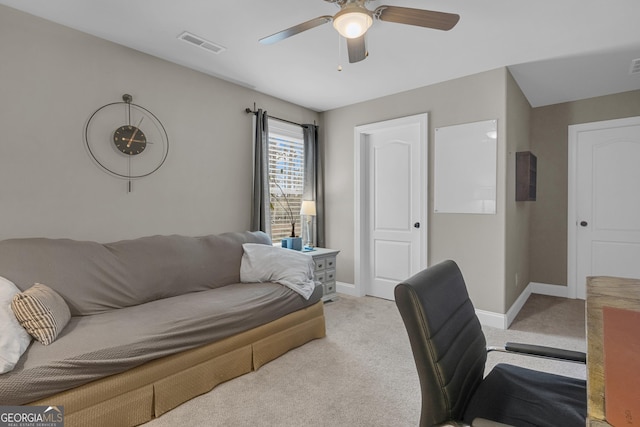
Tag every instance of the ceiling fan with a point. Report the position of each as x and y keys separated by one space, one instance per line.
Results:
x=354 y=19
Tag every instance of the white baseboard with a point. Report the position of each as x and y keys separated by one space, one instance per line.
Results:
x=489 y=318
x=517 y=306
x=503 y=321
x=346 y=288
x=551 y=290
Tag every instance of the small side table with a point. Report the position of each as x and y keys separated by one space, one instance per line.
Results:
x=325 y=270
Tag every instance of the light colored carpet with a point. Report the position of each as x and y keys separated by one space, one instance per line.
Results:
x=362 y=373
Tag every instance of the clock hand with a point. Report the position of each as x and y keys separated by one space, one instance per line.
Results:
x=134 y=133
x=133 y=140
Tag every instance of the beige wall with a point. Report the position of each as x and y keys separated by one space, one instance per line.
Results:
x=518 y=213
x=549 y=141
x=476 y=242
x=53 y=78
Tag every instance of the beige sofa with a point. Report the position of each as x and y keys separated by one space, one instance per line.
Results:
x=155 y=322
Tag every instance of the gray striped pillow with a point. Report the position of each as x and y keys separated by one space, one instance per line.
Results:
x=42 y=312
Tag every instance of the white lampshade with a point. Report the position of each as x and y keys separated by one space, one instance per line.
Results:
x=308 y=208
x=352 y=21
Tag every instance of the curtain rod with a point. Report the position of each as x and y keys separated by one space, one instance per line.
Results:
x=254 y=111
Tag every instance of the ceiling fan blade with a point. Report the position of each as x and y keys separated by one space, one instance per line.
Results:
x=357 y=49
x=296 y=29
x=419 y=17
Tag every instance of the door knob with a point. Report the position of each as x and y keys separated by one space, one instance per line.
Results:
x=416 y=225
x=584 y=223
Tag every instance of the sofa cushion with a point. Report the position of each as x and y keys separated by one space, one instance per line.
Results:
x=14 y=340
x=41 y=312
x=93 y=347
x=94 y=278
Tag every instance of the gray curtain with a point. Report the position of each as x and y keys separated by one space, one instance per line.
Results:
x=314 y=180
x=260 y=214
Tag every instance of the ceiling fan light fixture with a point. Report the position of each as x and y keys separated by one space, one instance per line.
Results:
x=352 y=22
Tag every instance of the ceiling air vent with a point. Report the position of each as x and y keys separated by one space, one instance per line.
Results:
x=635 y=66
x=200 y=42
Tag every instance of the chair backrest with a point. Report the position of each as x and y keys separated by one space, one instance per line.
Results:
x=446 y=338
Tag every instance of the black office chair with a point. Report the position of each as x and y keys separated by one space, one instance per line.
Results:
x=450 y=352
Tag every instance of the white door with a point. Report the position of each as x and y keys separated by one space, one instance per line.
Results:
x=394 y=208
x=607 y=200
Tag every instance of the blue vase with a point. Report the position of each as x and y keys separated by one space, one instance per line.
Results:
x=294 y=243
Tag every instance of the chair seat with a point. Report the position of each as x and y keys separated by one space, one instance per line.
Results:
x=521 y=397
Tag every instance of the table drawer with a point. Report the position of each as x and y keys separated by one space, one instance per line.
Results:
x=324 y=271
x=330 y=262
x=320 y=276
x=329 y=288
x=330 y=275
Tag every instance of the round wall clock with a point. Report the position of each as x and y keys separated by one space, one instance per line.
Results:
x=126 y=140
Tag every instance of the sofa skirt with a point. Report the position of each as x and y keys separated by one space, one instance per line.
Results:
x=149 y=390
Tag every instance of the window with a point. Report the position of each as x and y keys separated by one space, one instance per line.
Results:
x=286 y=178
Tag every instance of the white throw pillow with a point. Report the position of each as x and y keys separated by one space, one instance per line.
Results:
x=14 y=340
x=265 y=263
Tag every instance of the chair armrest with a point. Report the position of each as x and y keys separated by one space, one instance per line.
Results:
x=551 y=352
x=542 y=351
x=452 y=424
x=481 y=422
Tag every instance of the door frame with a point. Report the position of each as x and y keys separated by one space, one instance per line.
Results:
x=572 y=211
x=362 y=249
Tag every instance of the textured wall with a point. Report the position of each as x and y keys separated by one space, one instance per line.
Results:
x=549 y=141
x=476 y=242
x=52 y=78
x=517 y=246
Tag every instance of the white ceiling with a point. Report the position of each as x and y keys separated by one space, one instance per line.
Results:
x=558 y=50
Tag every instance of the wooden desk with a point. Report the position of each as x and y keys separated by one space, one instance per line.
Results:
x=603 y=292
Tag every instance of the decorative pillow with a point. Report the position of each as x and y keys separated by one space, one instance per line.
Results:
x=42 y=312
x=14 y=340
x=266 y=263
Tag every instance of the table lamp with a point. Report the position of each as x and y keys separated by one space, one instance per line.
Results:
x=308 y=209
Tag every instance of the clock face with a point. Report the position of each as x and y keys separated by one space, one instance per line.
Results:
x=130 y=140
x=126 y=140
